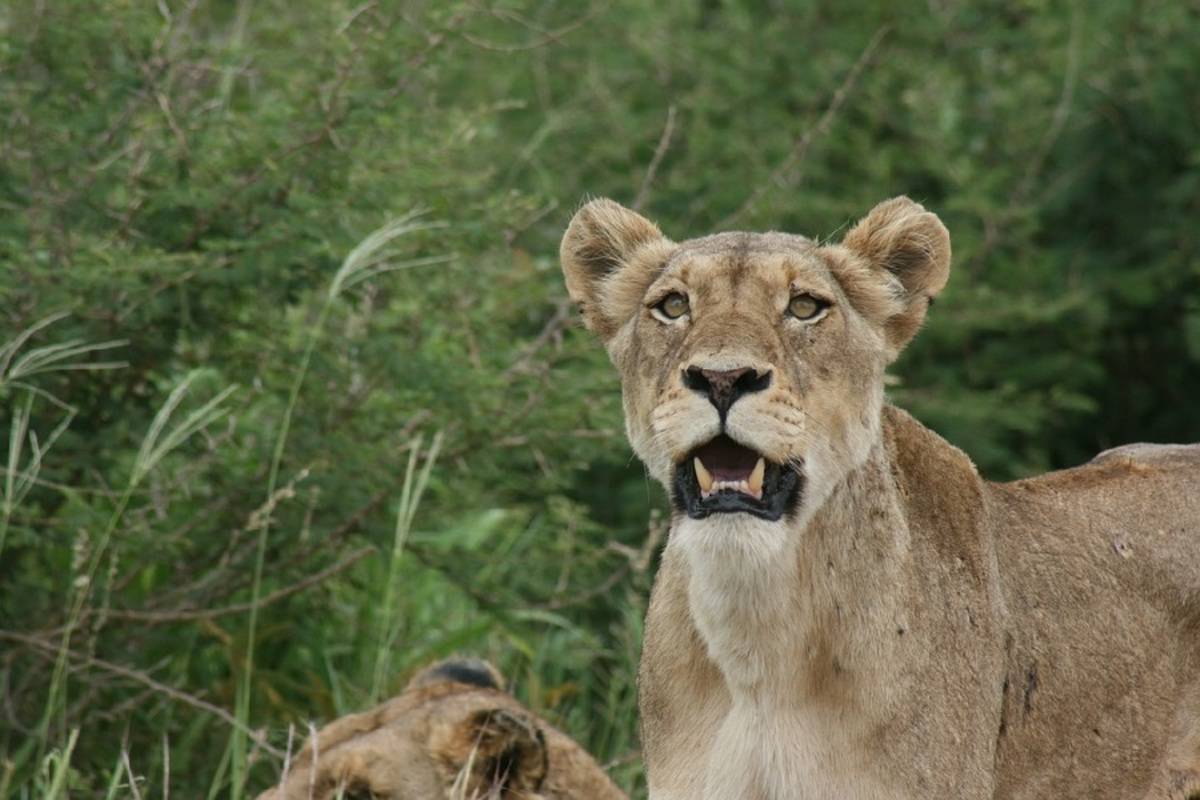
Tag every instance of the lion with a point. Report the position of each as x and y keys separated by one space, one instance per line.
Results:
x=452 y=734
x=844 y=609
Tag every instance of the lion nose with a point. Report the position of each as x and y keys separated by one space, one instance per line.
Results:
x=724 y=386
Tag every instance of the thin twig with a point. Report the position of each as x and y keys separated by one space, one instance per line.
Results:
x=299 y=555
x=287 y=757
x=188 y=614
x=550 y=37
x=1019 y=199
x=800 y=149
x=133 y=787
x=412 y=69
x=355 y=14
x=82 y=662
x=554 y=326
x=630 y=757
x=312 y=765
x=664 y=142
x=637 y=562
x=1062 y=111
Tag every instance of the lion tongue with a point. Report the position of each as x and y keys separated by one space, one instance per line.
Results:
x=724 y=464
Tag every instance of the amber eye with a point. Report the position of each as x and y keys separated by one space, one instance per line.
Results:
x=673 y=306
x=805 y=306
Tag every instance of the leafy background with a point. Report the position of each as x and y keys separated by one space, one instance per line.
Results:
x=251 y=481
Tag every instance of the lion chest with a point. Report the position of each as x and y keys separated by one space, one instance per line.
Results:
x=763 y=750
x=767 y=742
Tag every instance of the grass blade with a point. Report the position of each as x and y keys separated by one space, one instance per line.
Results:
x=410 y=498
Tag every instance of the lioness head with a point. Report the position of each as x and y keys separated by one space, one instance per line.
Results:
x=752 y=363
x=453 y=734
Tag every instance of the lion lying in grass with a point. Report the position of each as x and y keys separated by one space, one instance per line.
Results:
x=453 y=734
x=845 y=610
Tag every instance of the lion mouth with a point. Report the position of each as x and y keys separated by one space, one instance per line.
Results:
x=723 y=476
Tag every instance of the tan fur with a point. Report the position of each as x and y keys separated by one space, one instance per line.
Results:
x=444 y=740
x=910 y=631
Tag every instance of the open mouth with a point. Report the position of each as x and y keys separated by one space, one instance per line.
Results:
x=723 y=477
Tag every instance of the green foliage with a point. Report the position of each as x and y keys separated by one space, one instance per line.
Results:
x=183 y=186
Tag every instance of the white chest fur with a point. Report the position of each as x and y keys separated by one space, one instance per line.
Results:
x=752 y=602
x=741 y=592
x=766 y=752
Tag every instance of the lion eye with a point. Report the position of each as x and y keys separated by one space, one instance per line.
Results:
x=673 y=306
x=805 y=306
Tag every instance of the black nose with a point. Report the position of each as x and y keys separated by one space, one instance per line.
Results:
x=724 y=387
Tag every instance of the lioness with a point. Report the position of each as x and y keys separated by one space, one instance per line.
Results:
x=844 y=608
x=453 y=734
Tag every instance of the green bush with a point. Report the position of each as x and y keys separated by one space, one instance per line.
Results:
x=181 y=183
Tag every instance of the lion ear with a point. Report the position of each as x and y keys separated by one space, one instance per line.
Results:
x=912 y=247
x=494 y=752
x=609 y=256
x=471 y=671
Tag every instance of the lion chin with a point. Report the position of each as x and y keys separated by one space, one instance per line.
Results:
x=844 y=608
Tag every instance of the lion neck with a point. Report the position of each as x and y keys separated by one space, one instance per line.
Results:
x=808 y=608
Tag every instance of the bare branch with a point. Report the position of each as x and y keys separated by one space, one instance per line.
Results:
x=664 y=142
x=81 y=663
x=799 y=150
x=553 y=328
x=189 y=614
x=550 y=37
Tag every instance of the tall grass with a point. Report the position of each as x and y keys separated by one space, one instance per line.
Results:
x=410 y=498
x=19 y=475
x=17 y=368
x=165 y=434
x=170 y=428
x=42 y=767
x=161 y=438
x=56 y=768
x=370 y=258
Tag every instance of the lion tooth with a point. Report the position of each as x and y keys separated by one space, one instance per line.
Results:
x=702 y=476
x=756 y=478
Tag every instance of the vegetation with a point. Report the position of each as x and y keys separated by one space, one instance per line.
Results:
x=296 y=403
